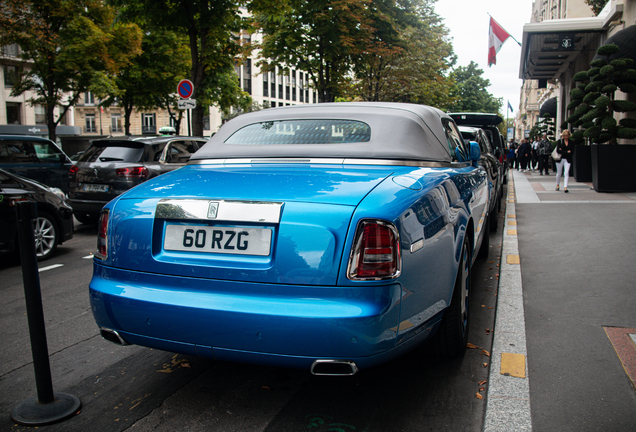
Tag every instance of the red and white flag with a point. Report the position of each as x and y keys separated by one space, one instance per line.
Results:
x=496 y=37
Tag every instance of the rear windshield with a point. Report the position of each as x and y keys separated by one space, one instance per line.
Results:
x=322 y=131
x=113 y=152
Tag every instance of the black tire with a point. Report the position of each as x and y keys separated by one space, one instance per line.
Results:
x=452 y=336
x=484 y=250
x=493 y=220
x=87 y=218
x=47 y=236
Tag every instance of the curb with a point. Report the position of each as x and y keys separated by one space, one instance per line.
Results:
x=508 y=399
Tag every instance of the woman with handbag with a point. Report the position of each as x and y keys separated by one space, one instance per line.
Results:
x=562 y=155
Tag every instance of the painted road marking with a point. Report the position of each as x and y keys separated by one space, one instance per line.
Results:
x=513 y=259
x=512 y=222
x=513 y=365
x=511 y=216
x=51 y=267
x=623 y=340
x=512 y=232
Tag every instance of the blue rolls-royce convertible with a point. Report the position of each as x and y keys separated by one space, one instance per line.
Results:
x=330 y=237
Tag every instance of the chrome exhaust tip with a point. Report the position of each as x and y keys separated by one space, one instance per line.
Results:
x=334 y=368
x=112 y=336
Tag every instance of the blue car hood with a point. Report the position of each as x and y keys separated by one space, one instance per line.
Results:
x=307 y=245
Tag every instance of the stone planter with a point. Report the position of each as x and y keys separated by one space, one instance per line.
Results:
x=583 y=163
x=613 y=167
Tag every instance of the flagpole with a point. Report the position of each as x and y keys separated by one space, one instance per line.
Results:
x=507 y=112
x=511 y=36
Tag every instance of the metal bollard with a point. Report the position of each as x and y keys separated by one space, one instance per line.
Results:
x=48 y=407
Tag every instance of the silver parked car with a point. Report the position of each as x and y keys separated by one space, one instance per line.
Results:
x=113 y=165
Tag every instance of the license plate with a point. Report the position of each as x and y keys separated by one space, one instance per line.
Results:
x=225 y=240
x=89 y=187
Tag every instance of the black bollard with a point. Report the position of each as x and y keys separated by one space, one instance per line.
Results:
x=48 y=407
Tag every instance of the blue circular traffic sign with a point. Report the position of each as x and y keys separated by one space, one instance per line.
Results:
x=185 y=88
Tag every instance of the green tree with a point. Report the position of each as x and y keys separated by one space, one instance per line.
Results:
x=320 y=37
x=416 y=70
x=211 y=27
x=596 y=5
x=68 y=45
x=470 y=91
x=151 y=79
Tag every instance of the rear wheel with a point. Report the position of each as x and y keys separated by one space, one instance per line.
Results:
x=452 y=336
x=493 y=220
x=484 y=250
x=47 y=236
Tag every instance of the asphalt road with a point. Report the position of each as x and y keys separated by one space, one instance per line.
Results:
x=139 y=389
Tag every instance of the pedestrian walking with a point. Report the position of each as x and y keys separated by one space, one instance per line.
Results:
x=543 y=152
x=524 y=154
x=513 y=152
x=534 y=157
x=565 y=148
x=511 y=156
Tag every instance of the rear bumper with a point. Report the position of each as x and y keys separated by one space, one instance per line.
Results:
x=280 y=325
x=86 y=206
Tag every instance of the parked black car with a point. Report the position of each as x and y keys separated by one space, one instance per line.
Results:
x=54 y=224
x=113 y=165
x=488 y=122
x=36 y=158
x=491 y=164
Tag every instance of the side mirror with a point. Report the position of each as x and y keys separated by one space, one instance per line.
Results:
x=475 y=153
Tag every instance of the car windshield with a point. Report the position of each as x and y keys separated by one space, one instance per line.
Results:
x=113 y=152
x=324 y=131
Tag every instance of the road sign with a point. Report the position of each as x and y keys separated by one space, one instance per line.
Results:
x=185 y=88
x=187 y=104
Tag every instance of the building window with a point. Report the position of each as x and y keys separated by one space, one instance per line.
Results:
x=293 y=85
x=116 y=123
x=89 y=99
x=12 y=50
x=287 y=86
x=265 y=84
x=206 y=122
x=272 y=80
x=40 y=114
x=13 y=113
x=301 y=90
x=281 y=77
x=148 y=124
x=91 y=126
x=10 y=75
x=247 y=76
x=62 y=119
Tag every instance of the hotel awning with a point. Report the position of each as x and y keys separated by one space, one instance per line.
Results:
x=550 y=46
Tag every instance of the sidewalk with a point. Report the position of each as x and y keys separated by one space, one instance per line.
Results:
x=564 y=353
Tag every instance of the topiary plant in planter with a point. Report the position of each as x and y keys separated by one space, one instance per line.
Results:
x=605 y=78
x=580 y=108
x=546 y=126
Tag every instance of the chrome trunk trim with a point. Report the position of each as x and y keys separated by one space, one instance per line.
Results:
x=219 y=210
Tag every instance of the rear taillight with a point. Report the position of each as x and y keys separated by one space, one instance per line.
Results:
x=72 y=171
x=376 y=252
x=102 y=235
x=132 y=172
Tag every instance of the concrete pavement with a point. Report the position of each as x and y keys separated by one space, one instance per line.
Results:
x=564 y=352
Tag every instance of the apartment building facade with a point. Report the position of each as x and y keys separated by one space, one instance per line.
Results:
x=560 y=40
